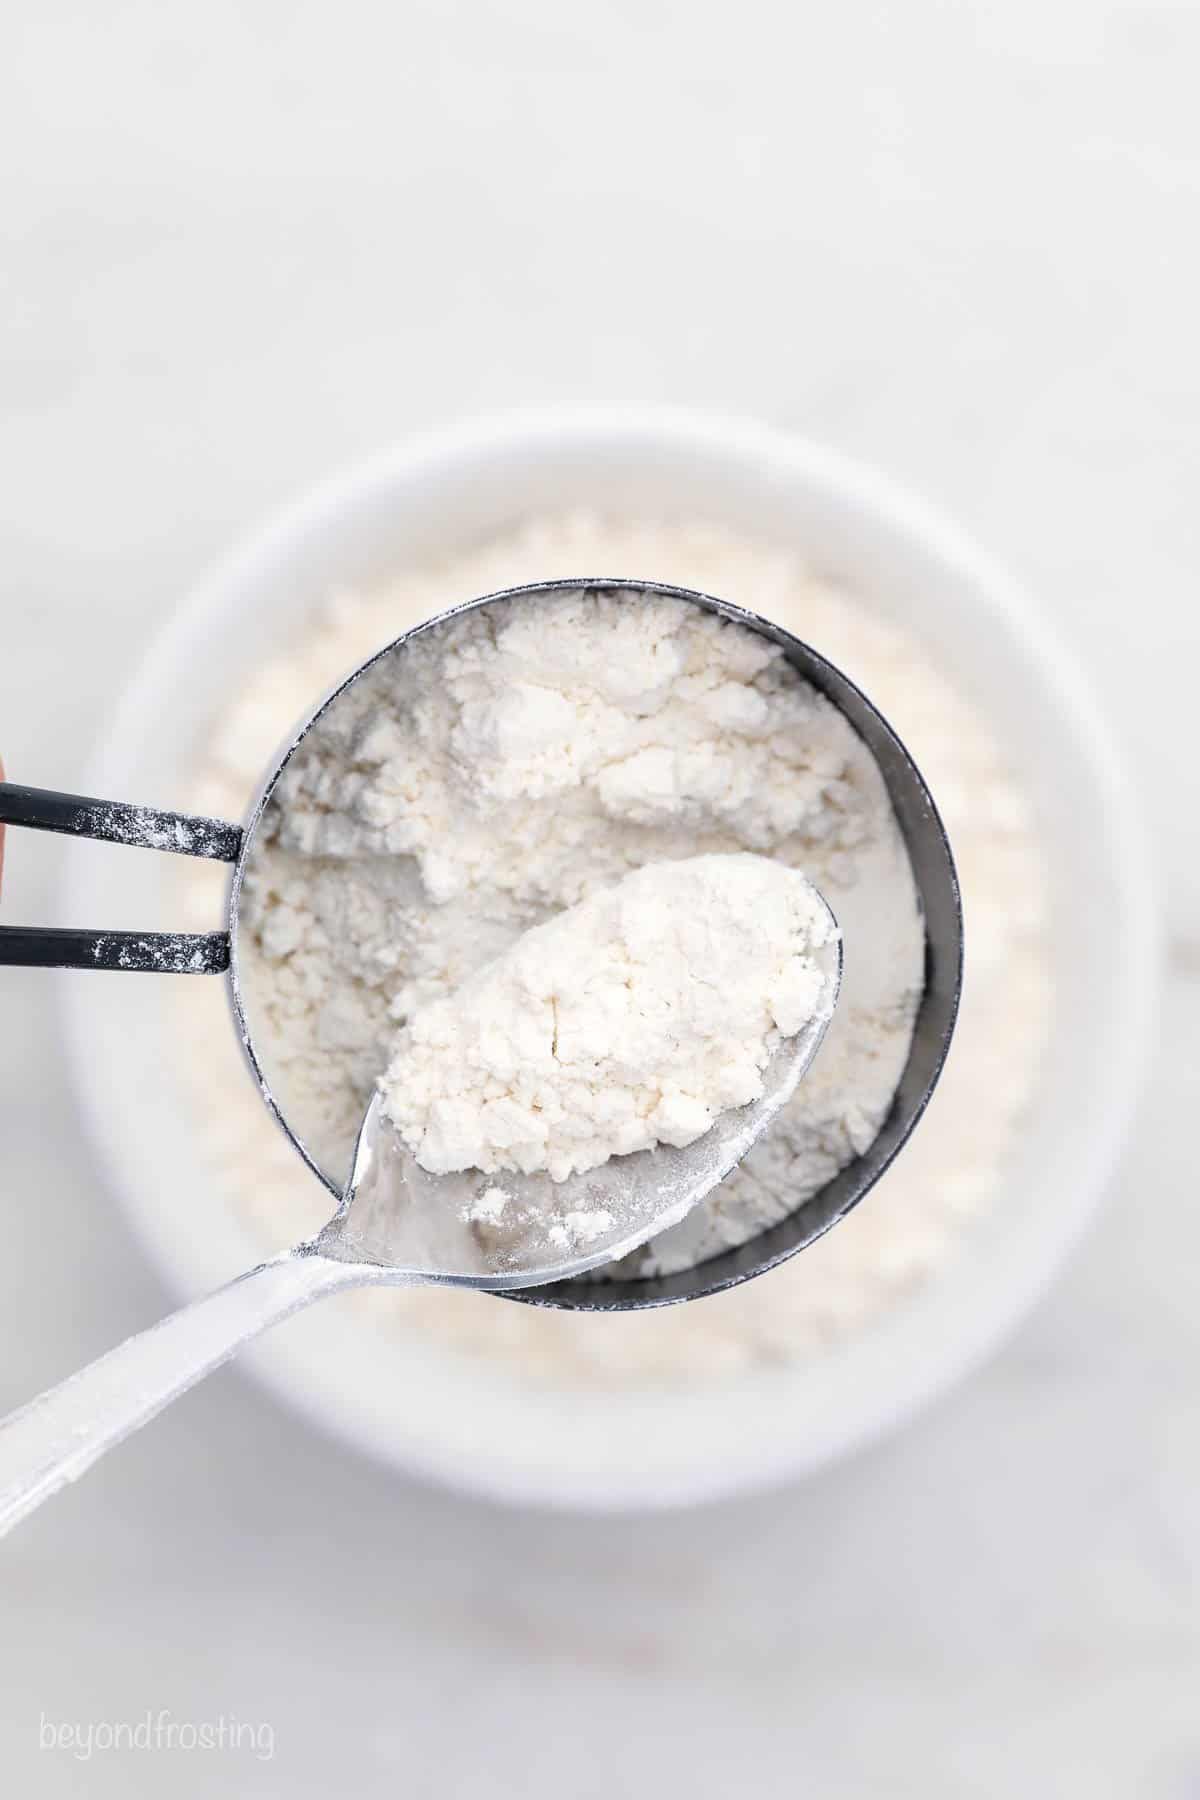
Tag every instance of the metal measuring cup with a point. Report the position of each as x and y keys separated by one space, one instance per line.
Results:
x=215 y=953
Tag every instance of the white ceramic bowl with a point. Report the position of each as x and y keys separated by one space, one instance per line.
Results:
x=459 y=1422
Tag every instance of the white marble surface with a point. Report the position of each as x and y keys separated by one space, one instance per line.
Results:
x=242 y=244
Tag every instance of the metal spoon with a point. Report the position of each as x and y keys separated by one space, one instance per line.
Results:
x=398 y=1226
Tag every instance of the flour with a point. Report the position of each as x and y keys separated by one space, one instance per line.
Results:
x=488 y=1208
x=524 y=757
x=631 y=1019
x=954 y=1169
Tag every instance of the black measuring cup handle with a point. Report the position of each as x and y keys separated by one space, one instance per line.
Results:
x=161 y=952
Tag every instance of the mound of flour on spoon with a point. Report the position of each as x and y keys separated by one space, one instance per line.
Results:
x=629 y=1020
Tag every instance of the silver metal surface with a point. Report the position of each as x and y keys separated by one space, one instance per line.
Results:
x=395 y=1226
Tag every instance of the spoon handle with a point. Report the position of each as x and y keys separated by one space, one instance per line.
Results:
x=56 y=1437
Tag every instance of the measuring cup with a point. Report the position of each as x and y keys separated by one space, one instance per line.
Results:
x=217 y=952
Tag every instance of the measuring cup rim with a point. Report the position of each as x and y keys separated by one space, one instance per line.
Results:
x=944 y=961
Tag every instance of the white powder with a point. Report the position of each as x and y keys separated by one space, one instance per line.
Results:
x=525 y=756
x=487 y=1208
x=954 y=1168
x=629 y=1020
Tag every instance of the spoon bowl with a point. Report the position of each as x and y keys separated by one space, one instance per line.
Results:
x=394 y=1215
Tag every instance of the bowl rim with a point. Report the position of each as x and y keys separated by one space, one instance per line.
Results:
x=854 y=487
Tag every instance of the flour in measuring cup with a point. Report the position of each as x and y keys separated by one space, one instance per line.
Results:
x=527 y=756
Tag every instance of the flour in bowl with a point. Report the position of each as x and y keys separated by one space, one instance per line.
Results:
x=952 y=1171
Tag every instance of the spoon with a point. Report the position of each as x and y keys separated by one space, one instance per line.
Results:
x=396 y=1226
